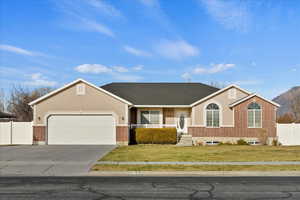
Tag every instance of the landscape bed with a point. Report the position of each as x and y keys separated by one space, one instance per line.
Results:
x=204 y=153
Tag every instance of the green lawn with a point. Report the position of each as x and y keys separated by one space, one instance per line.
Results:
x=196 y=168
x=203 y=153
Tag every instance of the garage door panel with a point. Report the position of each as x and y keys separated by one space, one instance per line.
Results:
x=81 y=129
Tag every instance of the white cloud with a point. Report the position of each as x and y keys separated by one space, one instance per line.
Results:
x=138 y=67
x=216 y=68
x=120 y=69
x=97 y=27
x=135 y=51
x=93 y=69
x=116 y=72
x=104 y=7
x=231 y=14
x=38 y=80
x=81 y=14
x=176 y=49
x=18 y=50
x=186 y=76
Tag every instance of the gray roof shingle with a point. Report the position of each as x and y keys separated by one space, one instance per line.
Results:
x=160 y=93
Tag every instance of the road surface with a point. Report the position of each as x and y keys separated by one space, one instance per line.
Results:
x=98 y=188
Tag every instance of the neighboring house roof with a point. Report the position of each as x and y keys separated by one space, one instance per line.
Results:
x=161 y=94
x=249 y=97
x=73 y=83
x=4 y=115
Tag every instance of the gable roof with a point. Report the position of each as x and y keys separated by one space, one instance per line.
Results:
x=73 y=83
x=219 y=92
x=161 y=94
x=249 y=97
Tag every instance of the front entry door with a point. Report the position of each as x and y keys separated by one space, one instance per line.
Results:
x=182 y=117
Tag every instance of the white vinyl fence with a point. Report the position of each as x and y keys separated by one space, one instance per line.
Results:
x=16 y=133
x=288 y=134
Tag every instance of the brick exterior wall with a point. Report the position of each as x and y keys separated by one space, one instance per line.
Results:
x=39 y=133
x=122 y=134
x=240 y=128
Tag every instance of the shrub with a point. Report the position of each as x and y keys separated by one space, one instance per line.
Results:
x=156 y=135
x=275 y=142
x=263 y=136
x=225 y=143
x=241 y=142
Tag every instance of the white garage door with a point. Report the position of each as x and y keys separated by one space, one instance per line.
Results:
x=81 y=129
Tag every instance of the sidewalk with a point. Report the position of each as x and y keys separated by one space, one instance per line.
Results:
x=200 y=163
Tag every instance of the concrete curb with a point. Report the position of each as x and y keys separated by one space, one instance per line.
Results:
x=196 y=173
x=200 y=163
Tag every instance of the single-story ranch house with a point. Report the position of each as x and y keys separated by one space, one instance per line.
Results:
x=83 y=113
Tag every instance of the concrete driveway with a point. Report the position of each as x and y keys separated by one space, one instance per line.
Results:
x=52 y=160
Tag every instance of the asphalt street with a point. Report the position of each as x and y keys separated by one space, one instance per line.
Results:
x=98 y=188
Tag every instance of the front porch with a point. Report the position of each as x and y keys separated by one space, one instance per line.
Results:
x=179 y=118
x=160 y=117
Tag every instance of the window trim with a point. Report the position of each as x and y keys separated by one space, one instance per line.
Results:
x=220 y=115
x=261 y=118
x=139 y=117
x=80 y=89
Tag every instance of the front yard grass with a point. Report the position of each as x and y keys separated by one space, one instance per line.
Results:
x=166 y=168
x=203 y=153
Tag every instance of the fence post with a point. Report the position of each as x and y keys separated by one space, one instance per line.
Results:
x=11 y=132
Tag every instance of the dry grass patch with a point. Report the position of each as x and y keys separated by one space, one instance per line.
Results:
x=167 y=168
x=203 y=153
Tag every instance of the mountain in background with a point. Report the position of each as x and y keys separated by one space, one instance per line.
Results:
x=285 y=100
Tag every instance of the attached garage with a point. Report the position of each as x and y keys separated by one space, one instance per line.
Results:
x=80 y=113
x=81 y=129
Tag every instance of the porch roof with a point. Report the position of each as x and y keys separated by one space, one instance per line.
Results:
x=160 y=93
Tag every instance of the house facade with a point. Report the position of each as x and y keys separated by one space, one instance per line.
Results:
x=82 y=113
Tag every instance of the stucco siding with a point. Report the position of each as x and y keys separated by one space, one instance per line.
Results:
x=67 y=101
x=227 y=114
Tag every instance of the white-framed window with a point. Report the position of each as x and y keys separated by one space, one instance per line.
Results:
x=80 y=89
x=232 y=93
x=150 y=117
x=213 y=115
x=254 y=115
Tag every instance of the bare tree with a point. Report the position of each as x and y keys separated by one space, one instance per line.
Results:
x=295 y=107
x=2 y=100
x=287 y=118
x=215 y=84
x=19 y=99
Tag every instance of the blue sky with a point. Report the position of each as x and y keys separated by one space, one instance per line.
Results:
x=254 y=44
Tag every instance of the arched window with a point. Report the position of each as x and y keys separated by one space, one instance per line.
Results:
x=212 y=115
x=254 y=115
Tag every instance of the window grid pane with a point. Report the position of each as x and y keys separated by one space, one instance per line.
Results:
x=250 y=118
x=216 y=118
x=145 y=118
x=257 y=118
x=154 y=117
x=209 y=120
